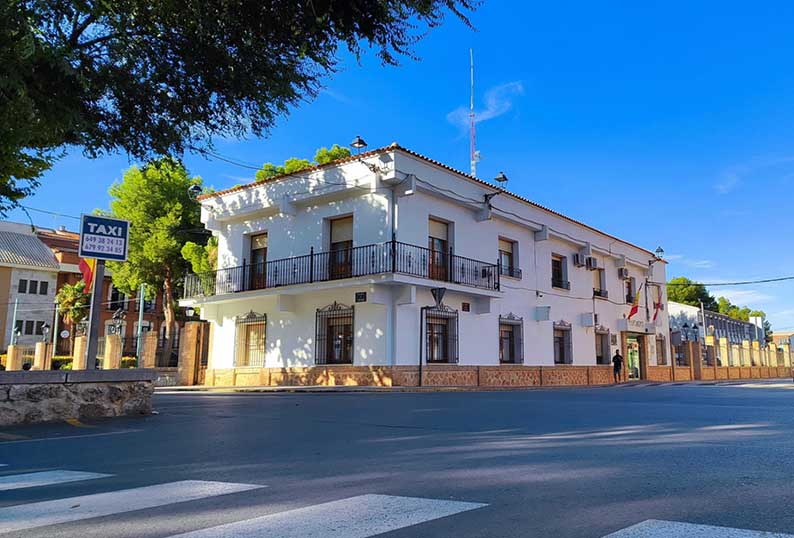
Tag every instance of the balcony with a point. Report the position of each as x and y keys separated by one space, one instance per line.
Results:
x=600 y=293
x=366 y=260
x=513 y=272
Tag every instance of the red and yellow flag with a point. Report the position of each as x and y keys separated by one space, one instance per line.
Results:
x=635 y=306
x=86 y=267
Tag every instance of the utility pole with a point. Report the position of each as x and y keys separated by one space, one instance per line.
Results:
x=55 y=331
x=14 y=322
x=139 y=342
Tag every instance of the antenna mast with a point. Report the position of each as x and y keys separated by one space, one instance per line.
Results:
x=474 y=155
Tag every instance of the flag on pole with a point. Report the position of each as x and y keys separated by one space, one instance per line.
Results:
x=635 y=306
x=86 y=267
x=658 y=306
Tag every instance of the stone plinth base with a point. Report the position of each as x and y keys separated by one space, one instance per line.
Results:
x=47 y=396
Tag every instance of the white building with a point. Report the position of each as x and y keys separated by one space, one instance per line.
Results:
x=335 y=265
x=28 y=279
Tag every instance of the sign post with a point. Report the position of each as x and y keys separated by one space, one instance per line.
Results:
x=102 y=238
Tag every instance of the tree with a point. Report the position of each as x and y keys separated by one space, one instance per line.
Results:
x=202 y=258
x=73 y=304
x=158 y=78
x=163 y=218
x=293 y=164
x=685 y=291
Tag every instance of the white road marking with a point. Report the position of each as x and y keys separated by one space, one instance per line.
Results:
x=654 y=528
x=45 y=478
x=356 y=517
x=63 y=437
x=29 y=516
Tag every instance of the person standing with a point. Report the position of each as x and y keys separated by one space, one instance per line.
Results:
x=617 y=365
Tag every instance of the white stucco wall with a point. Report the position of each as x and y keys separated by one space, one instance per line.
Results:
x=33 y=307
x=295 y=214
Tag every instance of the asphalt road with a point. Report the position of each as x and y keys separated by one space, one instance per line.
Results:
x=566 y=462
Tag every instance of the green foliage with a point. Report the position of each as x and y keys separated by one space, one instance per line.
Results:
x=684 y=291
x=157 y=78
x=129 y=362
x=163 y=218
x=202 y=258
x=73 y=302
x=325 y=155
x=293 y=164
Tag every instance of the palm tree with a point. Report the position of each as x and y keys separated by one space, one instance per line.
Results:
x=73 y=303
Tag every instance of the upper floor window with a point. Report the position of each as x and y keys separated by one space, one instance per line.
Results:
x=341 y=263
x=507 y=258
x=43 y=287
x=117 y=299
x=600 y=284
x=629 y=283
x=559 y=272
x=33 y=287
x=258 y=261
x=438 y=245
x=23 y=285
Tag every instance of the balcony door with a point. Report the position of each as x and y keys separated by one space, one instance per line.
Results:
x=341 y=262
x=258 y=270
x=438 y=246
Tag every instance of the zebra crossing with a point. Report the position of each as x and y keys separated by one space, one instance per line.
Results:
x=361 y=516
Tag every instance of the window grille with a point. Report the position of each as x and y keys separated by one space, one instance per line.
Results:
x=251 y=335
x=334 y=334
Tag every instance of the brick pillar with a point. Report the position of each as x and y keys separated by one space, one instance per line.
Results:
x=78 y=356
x=149 y=350
x=13 y=358
x=786 y=354
x=188 y=346
x=725 y=352
x=43 y=358
x=756 y=351
x=747 y=352
x=112 y=359
x=692 y=352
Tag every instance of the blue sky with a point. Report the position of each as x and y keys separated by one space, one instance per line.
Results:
x=667 y=124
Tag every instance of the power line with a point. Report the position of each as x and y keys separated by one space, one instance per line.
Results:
x=737 y=283
x=54 y=213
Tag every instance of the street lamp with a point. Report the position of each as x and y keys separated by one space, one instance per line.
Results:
x=194 y=191
x=358 y=143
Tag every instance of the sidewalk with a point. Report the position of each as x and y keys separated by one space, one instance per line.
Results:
x=352 y=388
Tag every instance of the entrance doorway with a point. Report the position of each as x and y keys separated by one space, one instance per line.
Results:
x=635 y=356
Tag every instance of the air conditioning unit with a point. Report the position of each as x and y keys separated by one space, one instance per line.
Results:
x=591 y=262
x=578 y=260
x=623 y=273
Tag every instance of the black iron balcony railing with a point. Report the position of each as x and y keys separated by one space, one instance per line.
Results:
x=560 y=283
x=513 y=272
x=597 y=292
x=388 y=257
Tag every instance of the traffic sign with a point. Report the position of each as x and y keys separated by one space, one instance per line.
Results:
x=104 y=238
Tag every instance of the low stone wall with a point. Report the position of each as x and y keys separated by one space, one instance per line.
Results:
x=46 y=396
x=433 y=375
x=451 y=375
x=166 y=377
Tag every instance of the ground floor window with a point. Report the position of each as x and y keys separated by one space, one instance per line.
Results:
x=334 y=328
x=251 y=333
x=510 y=340
x=441 y=334
x=603 y=356
x=563 y=352
x=661 y=351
